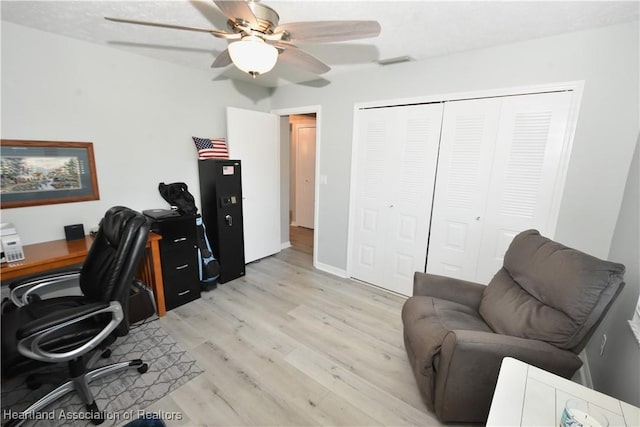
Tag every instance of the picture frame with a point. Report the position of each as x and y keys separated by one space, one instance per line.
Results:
x=36 y=173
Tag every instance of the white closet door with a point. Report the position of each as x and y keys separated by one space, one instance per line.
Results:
x=526 y=175
x=397 y=156
x=377 y=133
x=499 y=174
x=467 y=145
x=411 y=196
x=253 y=138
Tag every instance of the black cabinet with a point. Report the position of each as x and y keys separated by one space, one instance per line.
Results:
x=221 y=198
x=179 y=256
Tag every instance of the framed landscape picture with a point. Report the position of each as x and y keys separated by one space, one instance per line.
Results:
x=46 y=172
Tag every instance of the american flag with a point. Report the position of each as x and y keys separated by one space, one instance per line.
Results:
x=211 y=148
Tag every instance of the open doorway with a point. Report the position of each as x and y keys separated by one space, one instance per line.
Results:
x=302 y=173
x=300 y=232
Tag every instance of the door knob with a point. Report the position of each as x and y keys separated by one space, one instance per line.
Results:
x=477 y=218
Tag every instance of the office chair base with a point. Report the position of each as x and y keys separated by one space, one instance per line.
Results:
x=35 y=381
x=81 y=386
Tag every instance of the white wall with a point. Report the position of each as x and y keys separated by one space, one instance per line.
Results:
x=617 y=371
x=139 y=113
x=606 y=58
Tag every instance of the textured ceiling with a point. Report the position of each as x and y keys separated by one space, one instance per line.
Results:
x=418 y=29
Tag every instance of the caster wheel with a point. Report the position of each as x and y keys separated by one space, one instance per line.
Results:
x=33 y=383
x=143 y=368
x=106 y=353
x=97 y=416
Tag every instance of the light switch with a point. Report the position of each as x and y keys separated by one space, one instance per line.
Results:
x=323 y=179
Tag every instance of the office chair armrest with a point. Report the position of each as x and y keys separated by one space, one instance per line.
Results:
x=32 y=335
x=23 y=289
x=448 y=288
x=57 y=318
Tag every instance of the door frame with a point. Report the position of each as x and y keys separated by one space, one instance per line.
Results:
x=309 y=109
x=577 y=87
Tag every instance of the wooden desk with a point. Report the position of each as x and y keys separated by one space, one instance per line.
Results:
x=45 y=256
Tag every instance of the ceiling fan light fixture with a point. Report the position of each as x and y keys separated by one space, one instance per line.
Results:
x=253 y=56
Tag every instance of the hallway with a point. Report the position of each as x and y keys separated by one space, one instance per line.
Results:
x=301 y=238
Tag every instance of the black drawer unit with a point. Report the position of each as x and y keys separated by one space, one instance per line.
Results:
x=179 y=256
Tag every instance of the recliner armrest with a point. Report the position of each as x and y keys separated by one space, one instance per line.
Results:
x=456 y=290
x=537 y=353
x=469 y=365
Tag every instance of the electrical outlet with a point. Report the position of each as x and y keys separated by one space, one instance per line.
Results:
x=603 y=344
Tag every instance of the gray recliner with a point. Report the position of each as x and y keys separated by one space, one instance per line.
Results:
x=541 y=307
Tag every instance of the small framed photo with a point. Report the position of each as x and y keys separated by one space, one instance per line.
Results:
x=46 y=172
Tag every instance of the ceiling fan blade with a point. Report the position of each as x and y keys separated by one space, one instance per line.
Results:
x=237 y=9
x=294 y=56
x=210 y=12
x=329 y=31
x=215 y=33
x=222 y=60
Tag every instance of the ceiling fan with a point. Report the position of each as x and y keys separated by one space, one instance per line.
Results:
x=257 y=41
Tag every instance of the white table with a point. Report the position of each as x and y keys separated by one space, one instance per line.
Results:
x=528 y=396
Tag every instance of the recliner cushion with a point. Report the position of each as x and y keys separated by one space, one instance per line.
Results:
x=424 y=317
x=427 y=321
x=547 y=291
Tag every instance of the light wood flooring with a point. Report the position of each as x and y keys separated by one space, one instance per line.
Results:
x=301 y=239
x=288 y=345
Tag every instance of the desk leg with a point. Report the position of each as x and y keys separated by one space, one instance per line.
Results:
x=158 y=284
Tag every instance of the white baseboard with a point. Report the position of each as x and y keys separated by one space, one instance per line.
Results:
x=583 y=376
x=285 y=245
x=331 y=270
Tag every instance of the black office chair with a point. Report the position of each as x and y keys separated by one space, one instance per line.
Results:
x=77 y=329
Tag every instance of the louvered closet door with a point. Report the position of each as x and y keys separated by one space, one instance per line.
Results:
x=469 y=131
x=526 y=174
x=376 y=136
x=499 y=173
x=396 y=164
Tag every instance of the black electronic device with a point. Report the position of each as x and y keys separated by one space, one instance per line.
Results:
x=221 y=205
x=160 y=213
x=74 y=232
